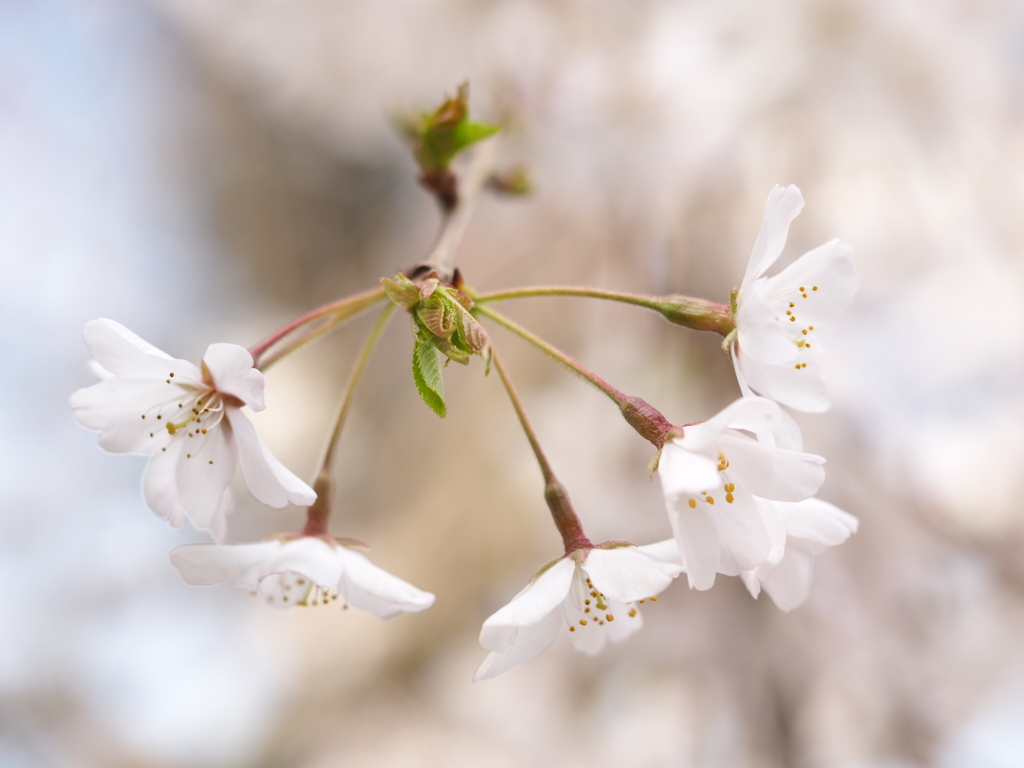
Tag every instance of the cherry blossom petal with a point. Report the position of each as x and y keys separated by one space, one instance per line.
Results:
x=760 y=333
x=99 y=371
x=313 y=558
x=785 y=434
x=743 y=538
x=231 y=369
x=818 y=523
x=751 y=414
x=160 y=487
x=627 y=574
x=784 y=204
x=829 y=274
x=122 y=353
x=751 y=582
x=789 y=583
x=697 y=538
x=203 y=565
x=592 y=637
x=772 y=473
x=373 y=589
x=667 y=550
x=203 y=475
x=115 y=407
x=802 y=389
x=624 y=625
x=683 y=471
x=268 y=479
x=540 y=597
x=529 y=642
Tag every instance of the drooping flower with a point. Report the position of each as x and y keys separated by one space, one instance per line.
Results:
x=811 y=527
x=594 y=592
x=776 y=351
x=190 y=419
x=719 y=482
x=307 y=570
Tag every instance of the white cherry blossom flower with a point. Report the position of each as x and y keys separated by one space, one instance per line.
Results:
x=594 y=592
x=777 y=352
x=190 y=419
x=719 y=483
x=307 y=570
x=811 y=526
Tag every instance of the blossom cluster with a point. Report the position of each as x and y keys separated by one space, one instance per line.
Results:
x=739 y=489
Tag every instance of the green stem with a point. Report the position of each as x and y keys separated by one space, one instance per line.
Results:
x=641 y=415
x=319 y=514
x=557 y=498
x=697 y=314
x=353 y=381
x=453 y=226
x=333 y=315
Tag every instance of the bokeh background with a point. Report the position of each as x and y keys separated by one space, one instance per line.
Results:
x=205 y=170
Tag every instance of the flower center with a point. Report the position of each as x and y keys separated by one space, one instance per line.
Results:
x=194 y=410
x=587 y=608
x=291 y=588
x=729 y=488
x=791 y=301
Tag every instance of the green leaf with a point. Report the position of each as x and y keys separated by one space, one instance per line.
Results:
x=426 y=371
x=445 y=132
x=468 y=133
x=402 y=291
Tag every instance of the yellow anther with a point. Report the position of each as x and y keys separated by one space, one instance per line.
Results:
x=654 y=599
x=632 y=612
x=808 y=346
x=792 y=303
x=802 y=289
x=587 y=601
x=609 y=617
x=789 y=312
x=583 y=622
x=730 y=487
x=730 y=498
x=804 y=331
x=693 y=503
x=792 y=319
x=810 y=327
x=572 y=629
x=641 y=602
x=814 y=288
x=586 y=610
x=204 y=431
x=805 y=295
x=797 y=366
x=709 y=499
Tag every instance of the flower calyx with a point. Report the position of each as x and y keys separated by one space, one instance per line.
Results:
x=647 y=420
x=698 y=314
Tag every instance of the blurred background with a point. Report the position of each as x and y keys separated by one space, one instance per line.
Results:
x=205 y=170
